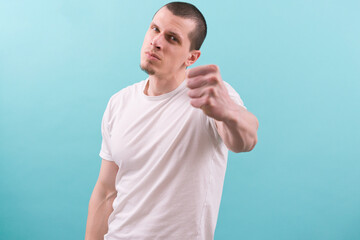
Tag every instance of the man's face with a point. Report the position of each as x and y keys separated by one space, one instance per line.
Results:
x=166 y=47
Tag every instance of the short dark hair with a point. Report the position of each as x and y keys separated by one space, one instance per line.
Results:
x=187 y=10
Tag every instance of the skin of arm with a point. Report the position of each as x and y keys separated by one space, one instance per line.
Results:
x=236 y=126
x=239 y=131
x=101 y=200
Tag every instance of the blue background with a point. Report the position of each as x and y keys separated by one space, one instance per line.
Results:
x=296 y=65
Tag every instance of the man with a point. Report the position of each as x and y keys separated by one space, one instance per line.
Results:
x=166 y=139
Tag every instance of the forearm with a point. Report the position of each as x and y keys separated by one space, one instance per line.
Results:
x=100 y=208
x=239 y=130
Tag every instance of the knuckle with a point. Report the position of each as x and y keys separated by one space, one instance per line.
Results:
x=197 y=93
x=190 y=83
x=214 y=67
x=213 y=79
x=211 y=91
x=190 y=93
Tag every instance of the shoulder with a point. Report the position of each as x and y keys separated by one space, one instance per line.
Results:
x=122 y=98
x=230 y=89
x=233 y=94
x=126 y=93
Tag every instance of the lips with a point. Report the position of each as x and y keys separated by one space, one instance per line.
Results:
x=152 y=55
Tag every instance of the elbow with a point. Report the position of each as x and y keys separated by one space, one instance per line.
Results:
x=245 y=140
x=253 y=138
x=247 y=145
x=252 y=144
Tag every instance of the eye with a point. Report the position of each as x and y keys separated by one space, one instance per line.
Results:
x=172 y=38
x=155 y=29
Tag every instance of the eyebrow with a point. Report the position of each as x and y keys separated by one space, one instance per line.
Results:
x=170 y=32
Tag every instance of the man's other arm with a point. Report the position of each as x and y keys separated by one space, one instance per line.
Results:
x=101 y=200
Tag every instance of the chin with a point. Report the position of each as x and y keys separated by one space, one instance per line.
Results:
x=146 y=68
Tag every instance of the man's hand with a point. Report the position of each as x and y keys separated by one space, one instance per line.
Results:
x=208 y=92
x=236 y=126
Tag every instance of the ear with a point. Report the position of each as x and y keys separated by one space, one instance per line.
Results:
x=193 y=56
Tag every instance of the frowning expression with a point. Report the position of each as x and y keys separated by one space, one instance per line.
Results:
x=166 y=47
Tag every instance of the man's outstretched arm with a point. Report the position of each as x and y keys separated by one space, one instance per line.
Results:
x=101 y=200
x=236 y=126
x=239 y=131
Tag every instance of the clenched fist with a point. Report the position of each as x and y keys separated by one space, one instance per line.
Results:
x=208 y=92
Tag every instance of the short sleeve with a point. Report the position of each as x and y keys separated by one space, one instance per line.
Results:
x=105 y=152
x=234 y=95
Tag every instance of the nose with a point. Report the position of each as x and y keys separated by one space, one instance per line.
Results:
x=157 y=42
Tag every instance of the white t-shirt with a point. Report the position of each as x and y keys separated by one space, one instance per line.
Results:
x=171 y=162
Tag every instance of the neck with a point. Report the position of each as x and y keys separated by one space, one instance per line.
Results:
x=158 y=85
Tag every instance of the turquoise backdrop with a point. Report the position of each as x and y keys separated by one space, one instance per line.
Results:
x=296 y=65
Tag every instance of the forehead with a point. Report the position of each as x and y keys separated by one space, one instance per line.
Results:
x=167 y=21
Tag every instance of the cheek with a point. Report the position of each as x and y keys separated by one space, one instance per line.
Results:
x=181 y=57
x=176 y=61
x=146 y=39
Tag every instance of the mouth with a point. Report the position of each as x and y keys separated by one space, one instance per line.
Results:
x=152 y=56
